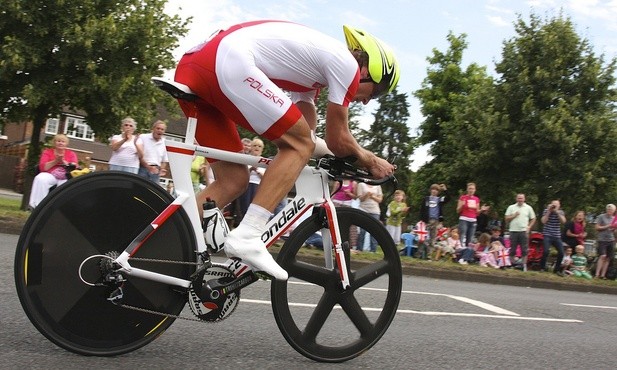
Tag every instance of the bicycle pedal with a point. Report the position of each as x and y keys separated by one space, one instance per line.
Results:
x=263 y=276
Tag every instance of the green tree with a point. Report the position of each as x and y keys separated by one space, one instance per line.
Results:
x=545 y=127
x=455 y=102
x=557 y=100
x=389 y=137
x=95 y=56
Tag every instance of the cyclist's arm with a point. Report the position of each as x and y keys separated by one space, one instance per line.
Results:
x=343 y=144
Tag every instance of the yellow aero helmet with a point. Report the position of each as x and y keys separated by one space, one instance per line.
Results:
x=382 y=64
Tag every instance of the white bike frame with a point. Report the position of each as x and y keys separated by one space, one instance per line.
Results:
x=311 y=190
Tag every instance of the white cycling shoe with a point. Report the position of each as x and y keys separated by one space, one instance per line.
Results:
x=245 y=243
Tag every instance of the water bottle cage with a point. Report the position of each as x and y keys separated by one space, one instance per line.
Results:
x=215 y=229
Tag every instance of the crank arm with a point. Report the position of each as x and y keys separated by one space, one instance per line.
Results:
x=218 y=288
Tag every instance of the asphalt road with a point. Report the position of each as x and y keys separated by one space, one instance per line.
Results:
x=440 y=324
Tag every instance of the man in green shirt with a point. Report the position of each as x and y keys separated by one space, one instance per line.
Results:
x=521 y=218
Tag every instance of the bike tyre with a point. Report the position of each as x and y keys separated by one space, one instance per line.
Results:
x=95 y=214
x=302 y=330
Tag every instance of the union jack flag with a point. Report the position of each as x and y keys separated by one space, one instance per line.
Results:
x=442 y=233
x=503 y=257
x=421 y=231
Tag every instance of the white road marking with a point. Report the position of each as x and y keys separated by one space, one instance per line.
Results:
x=483 y=305
x=588 y=305
x=427 y=313
x=498 y=312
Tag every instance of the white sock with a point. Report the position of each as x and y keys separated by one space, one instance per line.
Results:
x=256 y=216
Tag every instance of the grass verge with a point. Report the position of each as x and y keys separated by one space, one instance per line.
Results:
x=9 y=208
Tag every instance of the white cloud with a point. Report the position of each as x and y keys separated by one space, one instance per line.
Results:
x=543 y=4
x=605 y=10
x=498 y=21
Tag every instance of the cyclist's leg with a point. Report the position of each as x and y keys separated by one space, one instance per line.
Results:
x=281 y=122
x=295 y=147
x=231 y=181
x=294 y=150
x=215 y=130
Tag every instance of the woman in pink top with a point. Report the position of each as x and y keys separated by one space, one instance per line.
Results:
x=52 y=166
x=346 y=194
x=468 y=208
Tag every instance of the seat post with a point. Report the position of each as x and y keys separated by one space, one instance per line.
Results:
x=191 y=128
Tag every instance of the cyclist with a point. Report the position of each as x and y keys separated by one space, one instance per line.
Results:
x=239 y=75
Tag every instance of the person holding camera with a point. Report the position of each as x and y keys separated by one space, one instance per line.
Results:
x=552 y=218
x=52 y=169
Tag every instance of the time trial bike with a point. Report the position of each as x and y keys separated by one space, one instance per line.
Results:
x=108 y=261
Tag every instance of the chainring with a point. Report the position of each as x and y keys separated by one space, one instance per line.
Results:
x=208 y=309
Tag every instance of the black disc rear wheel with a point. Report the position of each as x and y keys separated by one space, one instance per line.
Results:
x=99 y=214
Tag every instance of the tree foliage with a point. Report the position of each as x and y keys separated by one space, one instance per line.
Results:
x=452 y=121
x=389 y=137
x=557 y=101
x=545 y=126
x=87 y=55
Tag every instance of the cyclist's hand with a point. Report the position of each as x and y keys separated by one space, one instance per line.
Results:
x=380 y=168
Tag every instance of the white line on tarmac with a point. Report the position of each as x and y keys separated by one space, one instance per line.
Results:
x=427 y=313
x=588 y=305
x=483 y=305
x=499 y=313
x=480 y=304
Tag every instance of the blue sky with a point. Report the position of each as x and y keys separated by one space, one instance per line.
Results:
x=411 y=27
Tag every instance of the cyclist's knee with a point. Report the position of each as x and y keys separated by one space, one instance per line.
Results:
x=299 y=139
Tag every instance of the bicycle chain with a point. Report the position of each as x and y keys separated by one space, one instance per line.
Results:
x=163 y=261
x=152 y=312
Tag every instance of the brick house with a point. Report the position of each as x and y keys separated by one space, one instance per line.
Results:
x=91 y=152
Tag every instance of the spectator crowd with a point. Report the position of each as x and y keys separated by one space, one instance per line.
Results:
x=480 y=235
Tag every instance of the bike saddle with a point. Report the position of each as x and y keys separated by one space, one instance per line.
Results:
x=175 y=89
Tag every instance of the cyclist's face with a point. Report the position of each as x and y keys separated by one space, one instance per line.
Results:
x=365 y=92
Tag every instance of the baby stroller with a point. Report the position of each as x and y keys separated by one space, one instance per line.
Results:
x=535 y=251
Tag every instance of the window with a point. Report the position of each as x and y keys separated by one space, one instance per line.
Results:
x=52 y=126
x=174 y=138
x=78 y=128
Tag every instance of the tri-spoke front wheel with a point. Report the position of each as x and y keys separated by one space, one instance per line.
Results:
x=319 y=318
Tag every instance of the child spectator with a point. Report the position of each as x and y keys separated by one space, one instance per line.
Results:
x=465 y=254
x=496 y=235
x=421 y=233
x=449 y=246
x=397 y=209
x=486 y=251
x=566 y=262
x=579 y=263
x=431 y=209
